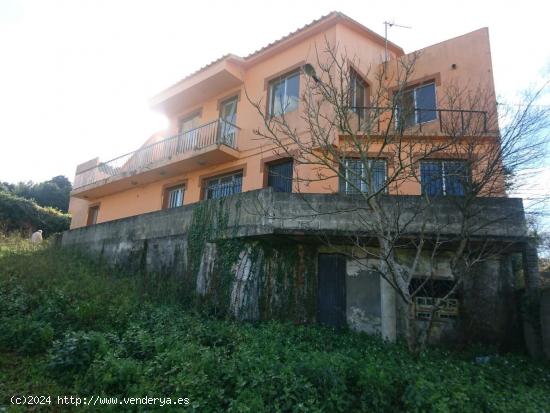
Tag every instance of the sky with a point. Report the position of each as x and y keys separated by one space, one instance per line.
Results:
x=75 y=76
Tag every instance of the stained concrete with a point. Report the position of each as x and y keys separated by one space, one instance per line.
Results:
x=363 y=301
x=158 y=242
x=265 y=212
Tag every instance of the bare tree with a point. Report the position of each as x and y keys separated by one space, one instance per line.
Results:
x=377 y=151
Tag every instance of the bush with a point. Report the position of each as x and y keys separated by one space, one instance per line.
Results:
x=113 y=376
x=20 y=214
x=25 y=336
x=90 y=331
x=73 y=354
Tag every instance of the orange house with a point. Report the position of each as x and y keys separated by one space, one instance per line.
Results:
x=210 y=149
x=242 y=124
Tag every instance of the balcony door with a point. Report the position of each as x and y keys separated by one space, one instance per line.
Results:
x=189 y=133
x=228 y=116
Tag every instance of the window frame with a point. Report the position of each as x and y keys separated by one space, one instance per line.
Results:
x=190 y=116
x=425 y=301
x=345 y=179
x=223 y=103
x=92 y=219
x=169 y=190
x=276 y=163
x=233 y=174
x=277 y=80
x=356 y=78
x=416 y=114
x=444 y=176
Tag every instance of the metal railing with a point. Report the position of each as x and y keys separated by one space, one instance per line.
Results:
x=374 y=119
x=218 y=132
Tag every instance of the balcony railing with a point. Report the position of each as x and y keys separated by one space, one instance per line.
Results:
x=375 y=119
x=218 y=132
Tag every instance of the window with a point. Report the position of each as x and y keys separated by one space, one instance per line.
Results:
x=443 y=177
x=284 y=94
x=189 y=133
x=93 y=213
x=225 y=185
x=228 y=116
x=358 y=176
x=174 y=196
x=280 y=176
x=429 y=300
x=358 y=91
x=417 y=105
x=190 y=123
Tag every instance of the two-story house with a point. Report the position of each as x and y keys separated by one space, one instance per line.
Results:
x=210 y=149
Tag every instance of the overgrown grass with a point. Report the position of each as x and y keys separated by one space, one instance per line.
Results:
x=71 y=327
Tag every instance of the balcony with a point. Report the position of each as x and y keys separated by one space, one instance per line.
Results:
x=211 y=143
x=453 y=122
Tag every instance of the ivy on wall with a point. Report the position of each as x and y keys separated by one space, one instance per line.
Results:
x=282 y=283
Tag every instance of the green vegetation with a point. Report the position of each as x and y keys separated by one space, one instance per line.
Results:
x=71 y=327
x=286 y=279
x=20 y=214
x=53 y=193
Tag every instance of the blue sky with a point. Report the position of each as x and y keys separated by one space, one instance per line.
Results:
x=75 y=75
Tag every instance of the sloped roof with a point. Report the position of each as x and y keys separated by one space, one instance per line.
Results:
x=335 y=16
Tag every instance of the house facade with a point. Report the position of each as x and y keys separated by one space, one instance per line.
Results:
x=213 y=199
x=210 y=148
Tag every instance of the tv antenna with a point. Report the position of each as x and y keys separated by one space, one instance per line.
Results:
x=387 y=25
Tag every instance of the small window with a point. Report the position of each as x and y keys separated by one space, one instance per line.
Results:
x=358 y=92
x=429 y=300
x=280 y=176
x=93 y=213
x=174 y=196
x=284 y=94
x=444 y=177
x=359 y=176
x=416 y=105
x=225 y=185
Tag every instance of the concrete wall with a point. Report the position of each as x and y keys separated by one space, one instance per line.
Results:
x=254 y=255
x=265 y=212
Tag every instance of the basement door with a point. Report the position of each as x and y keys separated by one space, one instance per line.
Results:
x=331 y=297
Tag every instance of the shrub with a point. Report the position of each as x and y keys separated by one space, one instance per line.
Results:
x=106 y=337
x=73 y=354
x=20 y=214
x=113 y=376
x=25 y=336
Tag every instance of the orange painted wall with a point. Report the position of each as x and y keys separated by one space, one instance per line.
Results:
x=470 y=53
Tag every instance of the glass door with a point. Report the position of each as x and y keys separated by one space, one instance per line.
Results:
x=228 y=120
x=189 y=134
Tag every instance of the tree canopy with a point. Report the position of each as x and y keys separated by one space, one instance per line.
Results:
x=53 y=193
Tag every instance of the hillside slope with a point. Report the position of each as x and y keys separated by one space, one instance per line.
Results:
x=68 y=326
